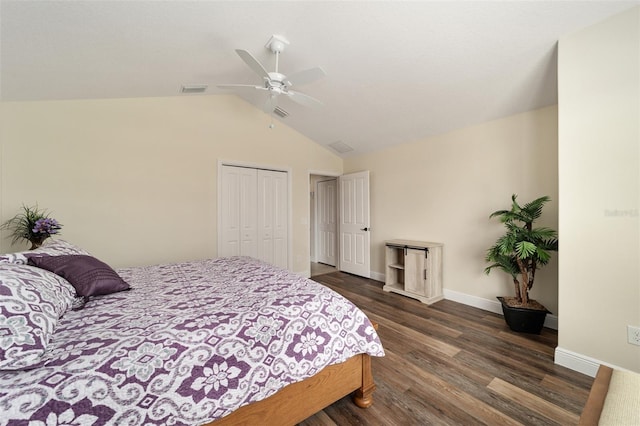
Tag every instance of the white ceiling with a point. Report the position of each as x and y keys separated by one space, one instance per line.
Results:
x=396 y=71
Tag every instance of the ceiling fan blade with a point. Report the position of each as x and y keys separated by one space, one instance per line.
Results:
x=306 y=76
x=241 y=87
x=253 y=63
x=304 y=100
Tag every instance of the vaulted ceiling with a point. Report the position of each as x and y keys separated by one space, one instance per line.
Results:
x=396 y=71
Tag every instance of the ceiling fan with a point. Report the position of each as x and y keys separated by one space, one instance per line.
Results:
x=275 y=83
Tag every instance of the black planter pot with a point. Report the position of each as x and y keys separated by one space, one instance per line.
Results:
x=523 y=320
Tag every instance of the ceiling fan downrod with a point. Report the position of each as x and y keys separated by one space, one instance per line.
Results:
x=277 y=44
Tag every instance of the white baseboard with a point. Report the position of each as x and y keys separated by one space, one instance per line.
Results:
x=577 y=362
x=306 y=273
x=551 y=321
x=563 y=357
x=475 y=301
x=581 y=363
x=376 y=276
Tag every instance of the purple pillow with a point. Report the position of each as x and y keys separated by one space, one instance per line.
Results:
x=88 y=275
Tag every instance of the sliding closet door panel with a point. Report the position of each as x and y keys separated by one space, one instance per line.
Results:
x=230 y=213
x=273 y=217
x=248 y=209
x=280 y=220
x=265 y=216
x=238 y=212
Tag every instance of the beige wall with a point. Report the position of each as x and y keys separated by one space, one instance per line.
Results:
x=134 y=181
x=443 y=189
x=599 y=156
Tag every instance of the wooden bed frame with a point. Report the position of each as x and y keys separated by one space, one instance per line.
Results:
x=298 y=401
x=593 y=408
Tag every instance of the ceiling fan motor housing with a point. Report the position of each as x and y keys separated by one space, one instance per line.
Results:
x=276 y=82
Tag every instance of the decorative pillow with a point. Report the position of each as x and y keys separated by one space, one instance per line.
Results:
x=31 y=302
x=51 y=247
x=88 y=275
x=17 y=258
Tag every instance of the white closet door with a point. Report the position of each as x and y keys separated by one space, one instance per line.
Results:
x=237 y=208
x=248 y=209
x=273 y=217
x=281 y=220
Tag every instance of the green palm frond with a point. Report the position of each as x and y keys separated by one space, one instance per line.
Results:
x=542 y=256
x=523 y=248
x=533 y=209
x=542 y=234
x=504 y=263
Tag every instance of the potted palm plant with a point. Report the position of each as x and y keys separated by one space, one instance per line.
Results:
x=520 y=252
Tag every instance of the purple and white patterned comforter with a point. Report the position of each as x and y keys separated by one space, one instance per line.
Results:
x=188 y=344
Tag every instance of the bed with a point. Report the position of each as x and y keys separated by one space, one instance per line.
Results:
x=218 y=341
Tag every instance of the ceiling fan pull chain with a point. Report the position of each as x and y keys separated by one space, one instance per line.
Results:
x=271 y=114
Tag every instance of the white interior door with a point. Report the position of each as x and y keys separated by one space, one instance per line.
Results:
x=326 y=219
x=238 y=200
x=354 y=227
x=273 y=217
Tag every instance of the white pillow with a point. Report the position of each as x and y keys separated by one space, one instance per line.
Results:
x=32 y=301
x=51 y=247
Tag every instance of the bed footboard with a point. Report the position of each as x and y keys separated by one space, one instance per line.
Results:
x=363 y=396
x=297 y=401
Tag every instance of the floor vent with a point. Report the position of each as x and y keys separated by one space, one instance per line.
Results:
x=194 y=88
x=340 y=147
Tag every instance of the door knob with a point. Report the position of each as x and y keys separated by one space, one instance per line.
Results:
x=365 y=229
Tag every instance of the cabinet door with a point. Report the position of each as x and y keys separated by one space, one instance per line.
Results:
x=414 y=264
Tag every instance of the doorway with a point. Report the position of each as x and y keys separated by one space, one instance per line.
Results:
x=323 y=212
x=339 y=222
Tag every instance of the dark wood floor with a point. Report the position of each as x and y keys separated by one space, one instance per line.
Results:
x=451 y=364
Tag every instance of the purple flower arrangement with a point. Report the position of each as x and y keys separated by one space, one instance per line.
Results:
x=33 y=225
x=46 y=227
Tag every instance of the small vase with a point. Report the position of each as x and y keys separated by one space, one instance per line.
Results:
x=36 y=242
